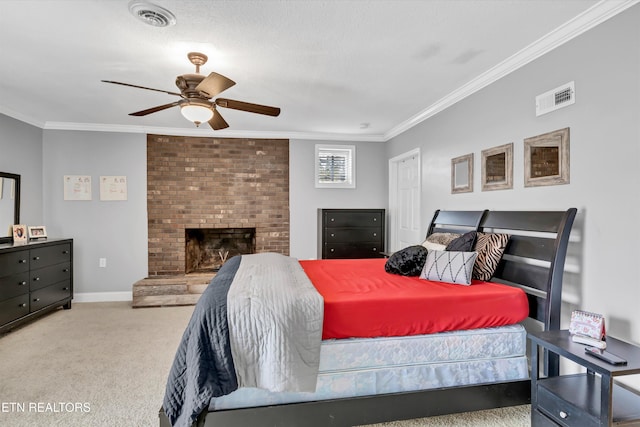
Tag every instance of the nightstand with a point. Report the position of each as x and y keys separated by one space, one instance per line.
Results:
x=588 y=399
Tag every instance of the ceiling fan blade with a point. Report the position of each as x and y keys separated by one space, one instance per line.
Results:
x=142 y=87
x=214 y=84
x=217 y=122
x=246 y=106
x=154 y=109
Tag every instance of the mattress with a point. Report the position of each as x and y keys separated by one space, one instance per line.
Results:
x=362 y=300
x=366 y=366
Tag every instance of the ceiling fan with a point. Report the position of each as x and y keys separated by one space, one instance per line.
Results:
x=196 y=92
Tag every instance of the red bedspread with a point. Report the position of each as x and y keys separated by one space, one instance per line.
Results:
x=362 y=300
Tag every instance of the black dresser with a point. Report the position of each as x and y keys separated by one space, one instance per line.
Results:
x=35 y=278
x=351 y=233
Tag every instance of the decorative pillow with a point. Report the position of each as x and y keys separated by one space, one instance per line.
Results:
x=433 y=246
x=407 y=262
x=464 y=243
x=449 y=266
x=442 y=238
x=490 y=247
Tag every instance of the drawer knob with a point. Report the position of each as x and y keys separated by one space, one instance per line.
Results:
x=563 y=414
x=375 y=219
x=36 y=258
x=35 y=279
x=65 y=252
x=333 y=235
x=22 y=305
x=23 y=283
x=375 y=234
x=331 y=249
x=36 y=300
x=375 y=249
x=65 y=289
x=22 y=261
x=65 y=270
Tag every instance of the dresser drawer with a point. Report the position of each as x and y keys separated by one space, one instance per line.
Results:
x=14 y=262
x=347 y=235
x=356 y=250
x=563 y=412
x=49 y=275
x=46 y=296
x=354 y=219
x=49 y=255
x=14 y=308
x=12 y=286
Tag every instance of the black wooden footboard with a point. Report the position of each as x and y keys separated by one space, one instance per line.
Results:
x=371 y=409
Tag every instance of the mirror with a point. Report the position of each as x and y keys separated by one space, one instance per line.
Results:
x=9 y=204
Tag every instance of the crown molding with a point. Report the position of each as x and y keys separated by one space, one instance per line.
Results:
x=22 y=117
x=590 y=18
x=205 y=132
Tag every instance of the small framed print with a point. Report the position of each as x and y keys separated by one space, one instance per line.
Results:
x=462 y=174
x=497 y=168
x=19 y=233
x=37 y=232
x=546 y=159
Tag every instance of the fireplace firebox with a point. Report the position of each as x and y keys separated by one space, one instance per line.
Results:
x=207 y=249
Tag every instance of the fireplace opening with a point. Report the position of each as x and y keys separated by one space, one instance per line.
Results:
x=207 y=249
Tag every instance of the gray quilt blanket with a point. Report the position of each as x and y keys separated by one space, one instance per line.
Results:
x=203 y=366
x=258 y=324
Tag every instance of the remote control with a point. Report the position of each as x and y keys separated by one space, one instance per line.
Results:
x=605 y=355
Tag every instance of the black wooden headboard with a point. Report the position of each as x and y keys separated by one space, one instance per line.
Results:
x=534 y=257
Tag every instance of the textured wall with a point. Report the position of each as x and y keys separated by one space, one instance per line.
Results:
x=214 y=183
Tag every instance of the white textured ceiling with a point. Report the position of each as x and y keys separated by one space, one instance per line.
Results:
x=338 y=69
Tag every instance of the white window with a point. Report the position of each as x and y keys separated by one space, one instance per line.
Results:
x=335 y=166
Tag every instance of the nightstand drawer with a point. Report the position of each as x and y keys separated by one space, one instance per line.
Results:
x=538 y=419
x=562 y=411
x=50 y=255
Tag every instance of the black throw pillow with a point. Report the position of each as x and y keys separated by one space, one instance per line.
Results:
x=464 y=243
x=407 y=262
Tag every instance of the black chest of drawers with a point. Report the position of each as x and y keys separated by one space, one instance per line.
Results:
x=351 y=233
x=34 y=278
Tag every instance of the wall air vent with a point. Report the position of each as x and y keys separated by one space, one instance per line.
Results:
x=559 y=97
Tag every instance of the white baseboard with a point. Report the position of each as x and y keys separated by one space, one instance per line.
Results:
x=102 y=296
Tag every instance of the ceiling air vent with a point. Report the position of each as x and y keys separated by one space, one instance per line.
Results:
x=151 y=14
x=559 y=97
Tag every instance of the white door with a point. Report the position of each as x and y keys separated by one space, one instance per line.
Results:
x=404 y=201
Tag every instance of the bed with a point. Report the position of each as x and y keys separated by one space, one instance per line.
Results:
x=421 y=374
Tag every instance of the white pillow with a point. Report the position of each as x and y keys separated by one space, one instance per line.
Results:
x=449 y=266
x=433 y=246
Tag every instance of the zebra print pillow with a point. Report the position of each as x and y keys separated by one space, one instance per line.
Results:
x=490 y=248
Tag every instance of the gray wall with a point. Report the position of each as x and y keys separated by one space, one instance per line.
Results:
x=305 y=199
x=115 y=230
x=605 y=148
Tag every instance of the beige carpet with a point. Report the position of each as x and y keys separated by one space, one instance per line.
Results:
x=105 y=364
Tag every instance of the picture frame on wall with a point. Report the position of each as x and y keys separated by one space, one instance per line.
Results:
x=37 y=232
x=462 y=174
x=546 y=159
x=497 y=168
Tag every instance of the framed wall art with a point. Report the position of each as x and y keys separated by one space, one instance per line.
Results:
x=546 y=159
x=497 y=168
x=462 y=174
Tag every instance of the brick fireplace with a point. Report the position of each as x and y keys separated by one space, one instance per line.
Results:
x=198 y=184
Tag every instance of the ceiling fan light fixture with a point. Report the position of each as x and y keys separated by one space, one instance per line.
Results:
x=151 y=14
x=196 y=113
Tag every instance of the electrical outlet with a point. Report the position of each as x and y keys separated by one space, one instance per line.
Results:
x=103 y=263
